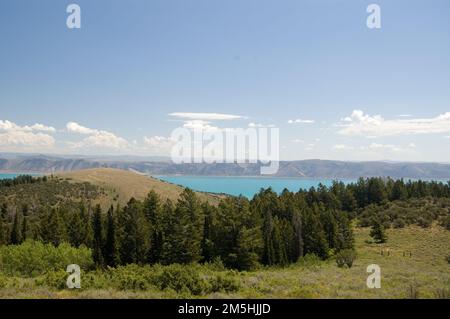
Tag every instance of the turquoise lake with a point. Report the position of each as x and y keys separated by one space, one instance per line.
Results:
x=14 y=175
x=246 y=186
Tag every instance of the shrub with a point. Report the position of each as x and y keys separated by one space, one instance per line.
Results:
x=446 y=222
x=53 y=279
x=182 y=278
x=225 y=282
x=413 y=291
x=3 y=281
x=310 y=261
x=423 y=222
x=399 y=223
x=130 y=277
x=448 y=259
x=34 y=258
x=345 y=257
x=442 y=293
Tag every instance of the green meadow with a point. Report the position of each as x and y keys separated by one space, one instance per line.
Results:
x=413 y=265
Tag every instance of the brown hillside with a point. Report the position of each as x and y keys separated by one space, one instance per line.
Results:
x=123 y=185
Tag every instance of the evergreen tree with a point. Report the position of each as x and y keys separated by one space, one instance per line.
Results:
x=376 y=191
x=25 y=229
x=171 y=227
x=152 y=210
x=248 y=248
x=208 y=232
x=184 y=237
x=51 y=227
x=97 y=227
x=134 y=233
x=330 y=227
x=76 y=228
x=3 y=233
x=268 y=257
x=398 y=191
x=297 y=243
x=16 y=230
x=314 y=237
x=377 y=231
x=4 y=211
x=111 y=250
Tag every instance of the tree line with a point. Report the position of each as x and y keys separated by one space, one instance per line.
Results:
x=269 y=229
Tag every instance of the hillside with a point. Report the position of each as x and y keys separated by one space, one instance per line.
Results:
x=415 y=268
x=301 y=169
x=123 y=185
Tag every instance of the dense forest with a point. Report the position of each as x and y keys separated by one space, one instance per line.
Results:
x=269 y=229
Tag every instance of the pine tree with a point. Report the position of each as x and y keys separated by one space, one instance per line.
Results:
x=297 y=244
x=190 y=216
x=377 y=231
x=4 y=211
x=152 y=210
x=330 y=227
x=16 y=230
x=268 y=257
x=97 y=227
x=51 y=227
x=3 y=234
x=76 y=228
x=281 y=241
x=25 y=229
x=314 y=237
x=134 y=233
x=399 y=191
x=111 y=251
x=208 y=233
x=248 y=249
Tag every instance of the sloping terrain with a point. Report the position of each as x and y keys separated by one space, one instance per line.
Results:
x=123 y=185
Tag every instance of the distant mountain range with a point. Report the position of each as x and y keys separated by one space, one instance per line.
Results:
x=163 y=166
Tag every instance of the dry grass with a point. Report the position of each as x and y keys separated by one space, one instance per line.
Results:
x=122 y=185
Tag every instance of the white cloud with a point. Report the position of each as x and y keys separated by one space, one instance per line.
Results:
x=206 y=116
x=257 y=125
x=359 y=123
x=202 y=121
x=96 y=138
x=343 y=147
x=377 y=146
x=10 y=126
x=26 y=139
x=74 y=127
x=301 y=121
x=158 y=144
x=297 y=140
x=199 y=125
x=15 y=137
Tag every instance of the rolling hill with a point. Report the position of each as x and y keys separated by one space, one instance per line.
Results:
x=123 y=185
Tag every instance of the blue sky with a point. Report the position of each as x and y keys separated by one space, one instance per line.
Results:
x=360 y=93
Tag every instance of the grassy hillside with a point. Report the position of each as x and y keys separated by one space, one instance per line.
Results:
x=424 y=274
x=122 y=185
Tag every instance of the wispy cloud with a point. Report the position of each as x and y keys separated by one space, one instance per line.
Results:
x=359 y=123
x=301 y=121
x=206 y=116
x=343 y=147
